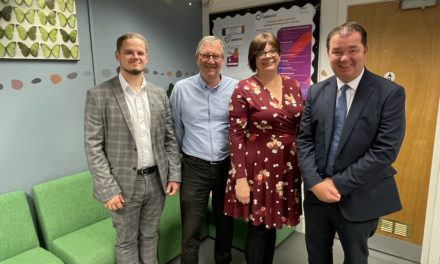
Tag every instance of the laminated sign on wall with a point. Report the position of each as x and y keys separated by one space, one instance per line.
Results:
x=296 y=25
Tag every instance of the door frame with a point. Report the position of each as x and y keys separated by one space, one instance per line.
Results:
x=431 y=234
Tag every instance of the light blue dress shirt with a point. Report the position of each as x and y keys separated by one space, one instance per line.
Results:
x=201 y=117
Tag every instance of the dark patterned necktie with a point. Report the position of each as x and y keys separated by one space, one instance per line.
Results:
x=340 y=114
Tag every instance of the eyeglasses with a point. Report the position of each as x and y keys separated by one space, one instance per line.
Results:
x=262 y=54
x=206 y=57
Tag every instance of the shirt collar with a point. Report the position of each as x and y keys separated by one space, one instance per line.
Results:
x=353 y=84
x=203 y=84
x=126 y=86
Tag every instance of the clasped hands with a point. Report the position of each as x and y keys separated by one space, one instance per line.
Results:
x=326 y=191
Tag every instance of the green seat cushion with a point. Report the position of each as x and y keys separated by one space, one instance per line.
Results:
x=65 y=205
x=94 y=244
x=34 y=256
x=17 y=231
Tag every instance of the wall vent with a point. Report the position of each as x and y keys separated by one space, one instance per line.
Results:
x=394 y=227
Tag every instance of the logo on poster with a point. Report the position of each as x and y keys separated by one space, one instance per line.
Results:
x=259 y=15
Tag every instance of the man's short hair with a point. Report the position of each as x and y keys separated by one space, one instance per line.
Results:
x=130 y=35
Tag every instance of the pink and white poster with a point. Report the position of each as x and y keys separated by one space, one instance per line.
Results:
x=296 y=25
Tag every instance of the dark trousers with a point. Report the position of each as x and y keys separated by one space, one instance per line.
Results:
x=199 y=178
x=260 y=244
x=323 y=220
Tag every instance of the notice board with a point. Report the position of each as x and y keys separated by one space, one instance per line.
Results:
x=296 y=25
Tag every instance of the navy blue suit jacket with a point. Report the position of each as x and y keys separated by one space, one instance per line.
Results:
x=369 y=144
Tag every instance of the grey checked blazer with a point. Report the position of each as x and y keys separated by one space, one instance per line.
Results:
x=110 y=145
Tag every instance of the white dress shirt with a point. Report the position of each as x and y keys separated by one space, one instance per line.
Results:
x=139 y=108
x=350 y=92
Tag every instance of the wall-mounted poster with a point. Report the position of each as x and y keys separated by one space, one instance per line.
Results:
x=38 y=29
x=296 y=25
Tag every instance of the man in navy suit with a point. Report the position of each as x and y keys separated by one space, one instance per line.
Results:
x=346 y=161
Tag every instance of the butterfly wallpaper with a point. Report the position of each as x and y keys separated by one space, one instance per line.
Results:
x=38 y=29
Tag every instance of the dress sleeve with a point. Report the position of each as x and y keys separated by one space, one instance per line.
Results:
x=238 y=117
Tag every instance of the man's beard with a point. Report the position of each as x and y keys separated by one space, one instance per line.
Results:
x=133 y=71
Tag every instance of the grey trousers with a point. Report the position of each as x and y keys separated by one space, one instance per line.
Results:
x=137 y=223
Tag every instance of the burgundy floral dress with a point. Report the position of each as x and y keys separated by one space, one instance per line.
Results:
x=263 y=149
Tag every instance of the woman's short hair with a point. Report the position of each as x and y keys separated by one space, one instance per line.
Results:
x=258 y=44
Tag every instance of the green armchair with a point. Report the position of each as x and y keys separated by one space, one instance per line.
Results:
x=75 y=227
x=18 y=239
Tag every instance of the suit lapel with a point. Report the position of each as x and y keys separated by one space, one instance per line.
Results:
x=330 y=88
x=361 y=98
x=152 y=104
x=120 y=98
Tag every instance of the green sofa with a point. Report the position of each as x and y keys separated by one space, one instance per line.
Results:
x=170 y=230
x=75 y=227
x=78 y=229
x=18 y=239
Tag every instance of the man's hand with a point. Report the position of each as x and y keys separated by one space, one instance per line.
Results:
x=326 y=191
x=242 y=191
x=330 y=181
x=115 y=203
x=172 y=187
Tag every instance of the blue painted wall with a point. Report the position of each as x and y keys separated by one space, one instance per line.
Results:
x=41 y=125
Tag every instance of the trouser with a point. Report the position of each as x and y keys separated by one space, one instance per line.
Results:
x=199 y=178
x=137 y=223
x=323 y=220
x=260 y=244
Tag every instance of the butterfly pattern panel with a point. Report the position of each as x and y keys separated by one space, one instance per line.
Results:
x=39 y=29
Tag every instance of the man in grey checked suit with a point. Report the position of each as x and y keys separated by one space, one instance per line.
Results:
x=131 y=151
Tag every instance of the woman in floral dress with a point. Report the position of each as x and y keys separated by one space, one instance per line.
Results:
x=264 y=184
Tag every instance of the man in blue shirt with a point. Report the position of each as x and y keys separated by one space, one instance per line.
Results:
x=200 y=106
